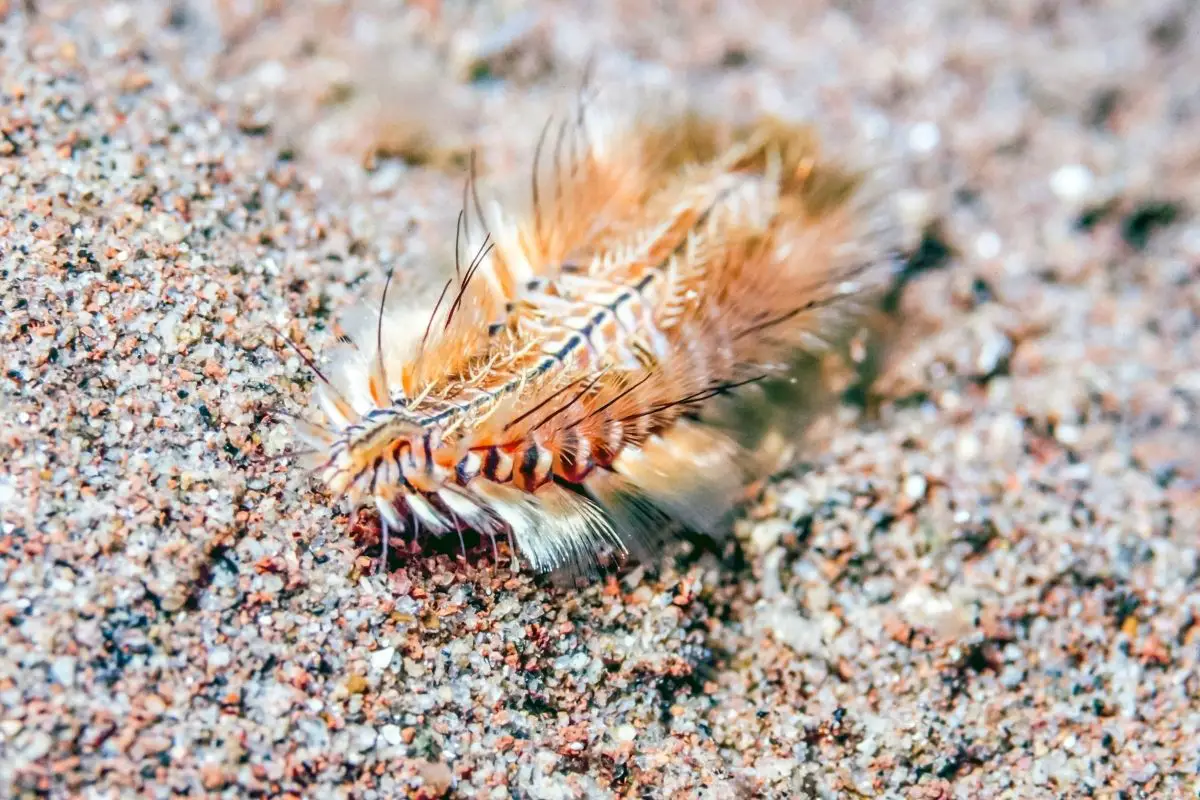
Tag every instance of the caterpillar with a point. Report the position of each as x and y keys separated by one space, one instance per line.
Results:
x=572 y=386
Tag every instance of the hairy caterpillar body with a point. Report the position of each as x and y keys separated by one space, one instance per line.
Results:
x=561 y=390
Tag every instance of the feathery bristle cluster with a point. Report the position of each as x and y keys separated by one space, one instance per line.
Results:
x=558 y=391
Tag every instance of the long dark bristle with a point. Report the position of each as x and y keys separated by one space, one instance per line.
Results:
x=696 y=397
x=570 y=402
x=534 y=181
x=433 y=314
x=459 y=229
x=484 y=250
x=542 y=404
x=625 y=392
x=309 y=363
x=379 y=329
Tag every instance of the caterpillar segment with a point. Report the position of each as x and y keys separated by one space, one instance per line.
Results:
x=559 y=391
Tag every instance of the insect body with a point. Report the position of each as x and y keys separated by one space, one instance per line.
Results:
x=558 y=392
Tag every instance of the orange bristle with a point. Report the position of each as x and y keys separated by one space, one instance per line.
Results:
x=560 y=389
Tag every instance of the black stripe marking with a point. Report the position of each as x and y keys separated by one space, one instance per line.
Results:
x=529 y=462
x=548 y=363
x=621 y=300
x=573 y=342
x=460 y=471
x=491 y=463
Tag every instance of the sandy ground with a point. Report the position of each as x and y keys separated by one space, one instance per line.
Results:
x=984 y=583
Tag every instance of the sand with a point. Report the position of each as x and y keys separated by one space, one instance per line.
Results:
x=984 y=583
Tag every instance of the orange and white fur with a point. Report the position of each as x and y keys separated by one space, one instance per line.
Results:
x=559 y=391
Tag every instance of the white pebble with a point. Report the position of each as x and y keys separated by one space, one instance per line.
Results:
x=968 y=447
x=915 y=486
x=35 y=746
x=117 y=14
x=914 y=207
x=390 y=734
x=1068 y=434
x=172 y=232
x=220 y=657
x=63 y=670
x=767 y=534
x=271 y=74
x=924 y=137
x=796 y=500
x=1071 y=182
x=1012 y=677
x=382 y=658
x=1144 y=773
x=363 y=737
x=987 y=244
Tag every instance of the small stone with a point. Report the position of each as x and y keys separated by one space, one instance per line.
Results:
x=436 y=777
x=987 y=245
x=915 y=487
x=363 y=737
x=937 y=611
x=1049 y=767
x=767 y=534
x=63 y=670
x=992 y=351
x=155 y=744
x=797 y=501
x=968 y=447
x=135 y=82
x=356 y=684
x=219 y=658
x=390 y=734
x=924 y=137
x=1012 y=677
x=1068 y=434
x=914 y=208
x=35 y=746
x=381 y=659
x=516 y=46
x=1144 y=773
x=153 y=705
x=897 y=630
x=173 y=233
x=212 y=776
x=1071 y=182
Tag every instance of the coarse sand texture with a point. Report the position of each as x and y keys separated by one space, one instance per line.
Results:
x=980 y=579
